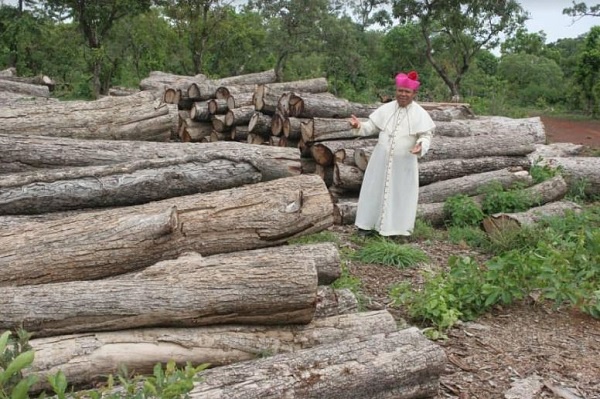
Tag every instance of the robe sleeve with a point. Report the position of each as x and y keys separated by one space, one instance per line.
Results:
x=367 y=128
x=425 y=140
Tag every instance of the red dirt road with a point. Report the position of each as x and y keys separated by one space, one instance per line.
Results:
x=572 y=131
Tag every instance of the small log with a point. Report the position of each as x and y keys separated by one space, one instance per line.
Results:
x=345 y=156
x=254 y=78
x=96 y=243
x=219 y=136
x=201 y=90
x=254 y=138
x=347 y=177
x=313 y=106
x=131 y=183
x=200 y=112
x=239 y=133
x=277 y=121
x=398 y=365
x=120 y=91
x=323 y=152
x=292 y=127
x=325 y=173
x=185 y=292
x=472 y=184
x=239 y=116
x=28 y=89
x=193 y=131
x=135 y=117
x=579 y=172
x=344 y=211
x=215 y=106
x=266 y=96
x=335 y=302
x=157 y=80
x=321 y=129
x=219 y=124
x=260 y=124
x=240 y=100
x=502 y=221
x=445 y=169
x=86 y=359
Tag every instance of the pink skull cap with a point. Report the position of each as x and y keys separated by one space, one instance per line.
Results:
x=408 y=80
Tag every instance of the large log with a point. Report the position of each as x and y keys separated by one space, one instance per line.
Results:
x=131 y=183
x=28 y=89
x=254 y=78
x=266 y=96
x=324 y=152
x=398 y=365
x=445 y=169
x=89 y=358
x=292 y=128
x=24 y=153
x=314 y=106
x=135 y=117
x=188 y=291
x=119 y=240
x=494 y=125
x=503 y=221
x=465 y=147
x=579 y=172
x=472 y=184
x=333 y=301
x=157 y=81
x=40 y=80
x=240 y=100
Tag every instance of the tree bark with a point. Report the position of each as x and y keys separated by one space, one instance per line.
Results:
x=266 y=96
x=25 y=153
x=135 y=117
x=185 y=292
x=347 y=177
x=292 y=127
x=119 y=240
x=201 y=91
x=323 y=152
x=240 y=100
x=215 y=106
x=192 y=131
x=157 y=80
x=333 y=301
x=125 y=184
x=40 y=80
x=494 y=125
x=28 y=89
x=277 y=121
x=445 y=169
x=314 y=106
x=260 y=124
x=239 y=116
x=503 y=221
x=219 y=124
x=321 y=129
x=255 y=78
x=89 y=358
x=398 y=365
x=472 y=184
x=200 y=111
x=579 y=171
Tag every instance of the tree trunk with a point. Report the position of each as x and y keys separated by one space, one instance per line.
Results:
x=24 y=153
x=201 y=91
x=260 y=124
x=28 y=89
x=494 y=125
x=503 y=221
x=292 y=127
x=192 y=131
x=398 y=365
x=200 y=111
x=445 y=169
x=325 y=173
x=240 y=100
x=219 y=124
x=347 y=177
x=135 y=117
x=40 y=80
x=215 y=106
x=185 y=292
x=266 y=96
x=255 y=78
x=333 y=301
x=323 y=152
x=102 y=243
x=157 y=81
x=466 y=148
x=321 y=129
x=89 y=358
x=131 y=183
x=472 y=184
x=314 y=106
x=580 y=172
x=239 y=133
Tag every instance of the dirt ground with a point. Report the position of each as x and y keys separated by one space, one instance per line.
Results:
x=558 y=350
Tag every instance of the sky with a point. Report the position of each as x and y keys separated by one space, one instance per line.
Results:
x=545 y=15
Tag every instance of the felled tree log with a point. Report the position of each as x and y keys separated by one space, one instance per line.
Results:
x=239 y=116
x=277 y=124
x=313 y=106
x=157 y=80
x=184 y=292
x=584 y=171
x=494 y=125
x=12 y=71
x=40 y=80
x=398 y=365
x=347 y=177
x=239 y=100
x=239 y=133
x=466 y=147
x=266 y=96
x=503 y=221
x=554 y=150
x=89 y=358
x=200 y=90
x=131 y=183
x=249 y=217
x=324 y=152
x=445 y=169
x=23 y=153
x=344 y=212
x=121 y=91
x=471 y=184
x=200 y=112
x=292 y=128
x=218 y=123
x=333 y=301
x=254 y=78
x=215 y=106
x=193 y=131
x=260 y=124
x=135 y=117
x=28 y=89
x=320 y=129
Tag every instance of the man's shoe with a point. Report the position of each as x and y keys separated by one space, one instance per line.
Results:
x=365 y=233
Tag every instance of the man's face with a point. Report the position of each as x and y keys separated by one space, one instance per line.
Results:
x=404 y=96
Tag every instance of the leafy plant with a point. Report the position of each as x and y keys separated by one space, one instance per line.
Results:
x=386 y=252
x=540 y=172
x=497 y=200
x=15 y=356
x=460 y=210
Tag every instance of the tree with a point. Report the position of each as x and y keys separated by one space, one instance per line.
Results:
x=580 y=10
x=461 y=29
x=95 y=19
x=371 y=12
x=587 y=74
x=525 y=42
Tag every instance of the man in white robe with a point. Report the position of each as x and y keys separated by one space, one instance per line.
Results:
x=390 y=188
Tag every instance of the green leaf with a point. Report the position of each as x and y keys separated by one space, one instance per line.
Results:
x=19 y=363
x=4 y=340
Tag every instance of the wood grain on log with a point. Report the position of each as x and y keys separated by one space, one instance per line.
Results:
x=131 y=183
x=320 y=129
x=240 y=100
x=495 y=125
x=193 y=131
x=135 y=117
x=28 y=89
x=323 y=152
x=334 y=301
x=239 y=133
x=24 y=153
x=200 y=112
x=157 y=80
x=239 y=116
x=277 y=121
x=185 y=292
x=314 y=106
x=292 y=128
x=398 y=365
x=202 y=90
x=266 y=96
x=253 y=78
x=347 y=177
x=89 y=358
x=260 y=124
x=445 y=169
x=96 y=243
x=215 y=106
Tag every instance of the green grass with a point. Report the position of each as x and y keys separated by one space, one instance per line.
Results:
x=383 y=251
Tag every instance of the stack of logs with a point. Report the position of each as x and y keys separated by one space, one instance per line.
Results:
x=135 y=252
x=467 y=153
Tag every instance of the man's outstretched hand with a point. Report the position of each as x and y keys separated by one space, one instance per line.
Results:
x=354 y=122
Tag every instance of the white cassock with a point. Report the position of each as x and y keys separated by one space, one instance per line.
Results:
x=390 y=188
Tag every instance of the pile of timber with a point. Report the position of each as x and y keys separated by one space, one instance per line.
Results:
x=17 y=89
x=136 y=252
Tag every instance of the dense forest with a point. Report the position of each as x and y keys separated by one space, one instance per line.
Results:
x=474 y=51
